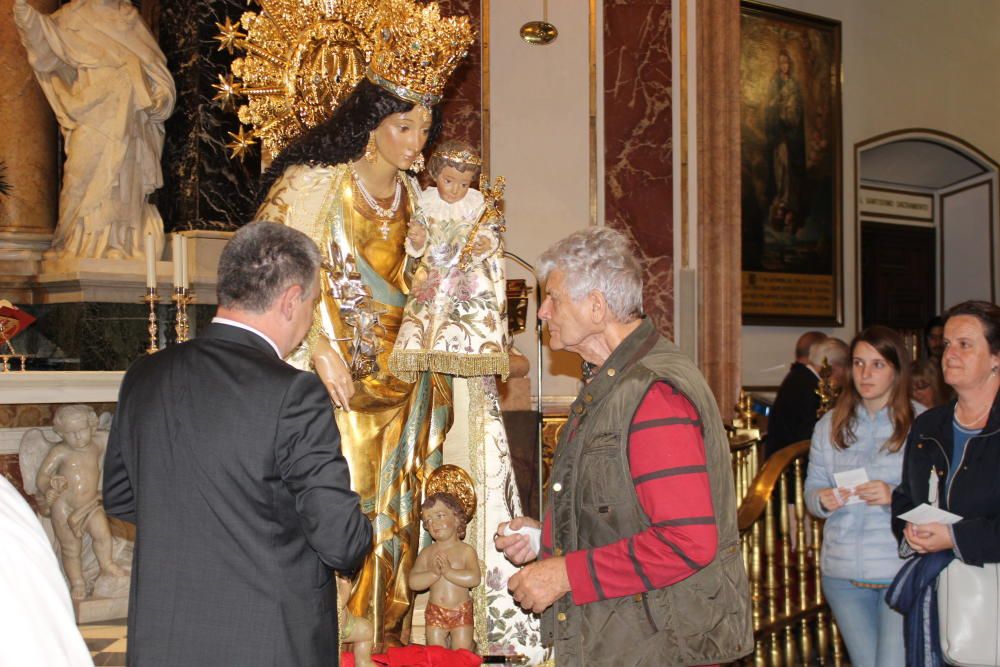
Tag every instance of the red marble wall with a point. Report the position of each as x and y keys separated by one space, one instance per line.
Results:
x=463 y=108
x=638 y=149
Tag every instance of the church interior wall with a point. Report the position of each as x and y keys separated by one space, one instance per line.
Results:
x=907 y=64
x=540 y=141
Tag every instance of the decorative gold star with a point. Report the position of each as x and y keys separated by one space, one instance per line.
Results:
x=229 y=35
x=241 y=144
x=228 y=90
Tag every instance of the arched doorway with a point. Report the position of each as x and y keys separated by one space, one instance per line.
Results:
x=927 y=223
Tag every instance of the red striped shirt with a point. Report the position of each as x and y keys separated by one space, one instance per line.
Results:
x=667 y=463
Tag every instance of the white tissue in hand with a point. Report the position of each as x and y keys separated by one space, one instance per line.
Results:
x=533 y=534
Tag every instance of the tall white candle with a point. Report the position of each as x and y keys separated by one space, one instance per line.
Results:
x=184 y=262
x=176 y=255
x=150 y=262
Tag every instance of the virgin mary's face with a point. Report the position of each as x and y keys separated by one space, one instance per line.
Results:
x=401 y=136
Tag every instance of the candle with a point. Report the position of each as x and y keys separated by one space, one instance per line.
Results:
x=176 y=256
x=184 y=262
x=150 y=262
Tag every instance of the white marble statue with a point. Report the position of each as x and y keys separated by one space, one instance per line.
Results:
x=65 y=478
x=107 y=81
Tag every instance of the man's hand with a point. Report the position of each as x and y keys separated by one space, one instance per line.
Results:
x=540 y=584
x=334 y=373
x=516 y=547
x=929 y=537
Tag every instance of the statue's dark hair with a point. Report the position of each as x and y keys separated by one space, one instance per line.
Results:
x=343 y=136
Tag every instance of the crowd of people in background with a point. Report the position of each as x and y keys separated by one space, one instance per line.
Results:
x=901 y=432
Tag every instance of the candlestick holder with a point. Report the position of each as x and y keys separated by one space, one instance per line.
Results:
x=183 y=297
x=151 y=298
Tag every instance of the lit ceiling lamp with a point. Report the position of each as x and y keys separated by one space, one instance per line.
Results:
x=540 y=32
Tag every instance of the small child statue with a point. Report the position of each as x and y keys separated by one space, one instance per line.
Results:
x=449 y=568
x=69 y=481
x=358 y=632
x=455 y=318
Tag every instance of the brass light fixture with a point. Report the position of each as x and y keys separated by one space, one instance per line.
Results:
x=540 y=32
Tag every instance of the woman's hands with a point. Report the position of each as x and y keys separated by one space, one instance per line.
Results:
x=928 y=538
x=875 y=492
x=334 y=373
x=832 y=499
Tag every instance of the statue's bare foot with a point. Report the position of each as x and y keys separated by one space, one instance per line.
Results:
x=114 y=253
x=115 y=570
x=78 y=591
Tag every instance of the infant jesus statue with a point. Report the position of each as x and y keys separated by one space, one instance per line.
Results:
x=449 y=568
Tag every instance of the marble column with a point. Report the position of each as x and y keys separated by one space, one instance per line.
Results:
x=30 y=152
x=718 y=100
x=203 y=188
x=638 y=149
x=462 y=107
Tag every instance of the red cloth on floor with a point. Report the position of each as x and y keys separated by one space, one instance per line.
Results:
x=416 y=655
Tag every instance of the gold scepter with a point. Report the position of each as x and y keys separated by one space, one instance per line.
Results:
x=492 y=194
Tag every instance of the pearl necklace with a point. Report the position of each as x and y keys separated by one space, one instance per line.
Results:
x=975 y=421
x=383 y=214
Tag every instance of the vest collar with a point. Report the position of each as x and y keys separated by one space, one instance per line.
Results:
x=629 y=351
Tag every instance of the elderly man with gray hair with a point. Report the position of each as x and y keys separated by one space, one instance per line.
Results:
x=639 y=560
x=228 y=461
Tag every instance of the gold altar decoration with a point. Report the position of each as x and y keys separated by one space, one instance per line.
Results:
x=456 y=481
x=303 y=57
x=826 y=391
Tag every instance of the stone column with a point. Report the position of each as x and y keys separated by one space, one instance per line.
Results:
x=718 y=62
x=28 y=146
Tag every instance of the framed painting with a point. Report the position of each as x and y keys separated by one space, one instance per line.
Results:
x=790 y=135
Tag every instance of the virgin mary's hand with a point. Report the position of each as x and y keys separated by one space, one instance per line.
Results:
x=334 y=373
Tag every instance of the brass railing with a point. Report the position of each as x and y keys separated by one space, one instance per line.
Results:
x=781 y=546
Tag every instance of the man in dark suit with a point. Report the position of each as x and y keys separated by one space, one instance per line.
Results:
x=228 y=461
x=793 y=414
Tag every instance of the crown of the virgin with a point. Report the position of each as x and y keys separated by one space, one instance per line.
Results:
x=416 y=50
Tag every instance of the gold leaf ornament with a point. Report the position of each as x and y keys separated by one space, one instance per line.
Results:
x=456 y=481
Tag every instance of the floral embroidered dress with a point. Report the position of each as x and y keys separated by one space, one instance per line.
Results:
x=455 y=322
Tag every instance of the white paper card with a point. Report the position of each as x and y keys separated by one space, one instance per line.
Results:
x=926 y=514
x=849 y=479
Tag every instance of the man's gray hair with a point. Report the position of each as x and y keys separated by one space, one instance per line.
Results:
x=261 y=261
x=834 y=350
x=601 y=259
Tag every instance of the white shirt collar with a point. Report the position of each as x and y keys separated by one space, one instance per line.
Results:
x=247 y=327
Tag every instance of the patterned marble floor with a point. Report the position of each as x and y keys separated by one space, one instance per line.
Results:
x=106 y=642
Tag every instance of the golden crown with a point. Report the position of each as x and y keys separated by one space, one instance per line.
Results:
x=459 y=157
x=456 y=481
x=416 y=50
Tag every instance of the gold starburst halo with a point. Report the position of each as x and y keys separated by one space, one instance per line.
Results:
x=303 y=57
x=228 y=91
x=417 y=50
x=455 y=481
x=229 y=35
x=242 y=143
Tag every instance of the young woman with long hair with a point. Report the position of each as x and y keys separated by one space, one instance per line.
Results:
x=864 y=431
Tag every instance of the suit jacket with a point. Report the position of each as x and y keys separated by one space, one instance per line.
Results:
x=228 y=461
x=793 y=415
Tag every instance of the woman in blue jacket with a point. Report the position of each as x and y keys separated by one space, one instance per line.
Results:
x=865 y=430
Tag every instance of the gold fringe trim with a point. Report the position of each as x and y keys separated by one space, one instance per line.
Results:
x=408 y=364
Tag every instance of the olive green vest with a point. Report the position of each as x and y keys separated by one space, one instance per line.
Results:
x=703 y=619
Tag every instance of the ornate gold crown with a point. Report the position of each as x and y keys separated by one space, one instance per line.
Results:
x=416 y=50
x=455 y=481
x=459 y=157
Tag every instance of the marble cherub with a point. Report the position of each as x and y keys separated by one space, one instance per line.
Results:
x=67 y=487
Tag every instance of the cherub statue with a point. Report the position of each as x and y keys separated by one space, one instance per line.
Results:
x=67 y=488
x=358 y=632
x=449 y=568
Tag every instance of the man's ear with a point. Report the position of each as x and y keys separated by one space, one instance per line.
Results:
x=289 y=299
x=598 y=306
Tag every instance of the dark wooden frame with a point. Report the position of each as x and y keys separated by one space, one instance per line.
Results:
x=831 y=182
